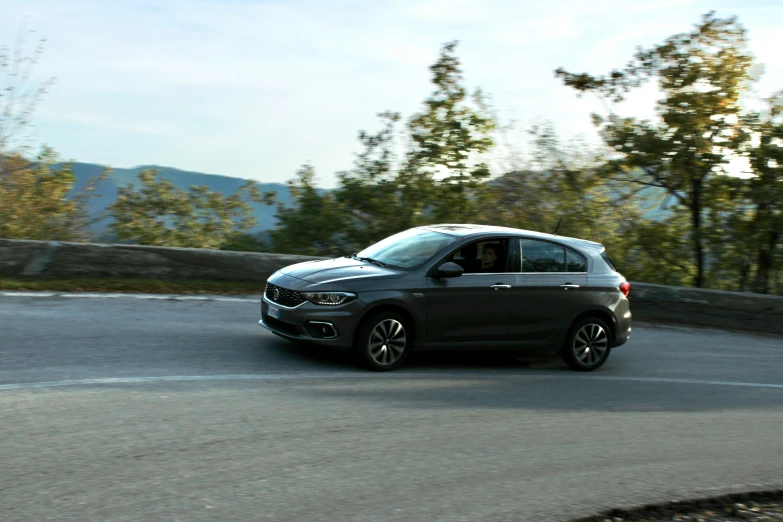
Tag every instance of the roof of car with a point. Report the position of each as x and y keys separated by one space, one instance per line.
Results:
x=465 y=230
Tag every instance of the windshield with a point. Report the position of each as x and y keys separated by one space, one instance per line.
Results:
x=409 y=249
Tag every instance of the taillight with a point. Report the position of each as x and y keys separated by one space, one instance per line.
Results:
x=625 y=288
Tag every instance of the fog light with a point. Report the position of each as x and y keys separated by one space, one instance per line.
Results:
x=320 y=330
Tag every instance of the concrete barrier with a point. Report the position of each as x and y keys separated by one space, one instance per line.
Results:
x=51 y=259
x=711 y=308
x=649 y=302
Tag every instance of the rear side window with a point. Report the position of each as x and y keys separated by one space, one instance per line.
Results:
x=608 y=261
x=542 y=256
x=575 y=261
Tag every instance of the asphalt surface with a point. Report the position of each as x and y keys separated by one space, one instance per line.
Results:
x=131 y=409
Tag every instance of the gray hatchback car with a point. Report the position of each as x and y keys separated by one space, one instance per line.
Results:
x=452 y=286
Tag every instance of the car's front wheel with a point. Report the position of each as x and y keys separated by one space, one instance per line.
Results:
x=383 y=341
x=588 y=344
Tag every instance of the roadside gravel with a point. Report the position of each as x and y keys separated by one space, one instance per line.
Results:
x=749 y=507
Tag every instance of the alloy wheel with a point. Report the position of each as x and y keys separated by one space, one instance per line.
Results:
x=387 y=341
x=590 y=344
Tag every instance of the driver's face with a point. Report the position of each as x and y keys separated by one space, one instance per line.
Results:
x=488 y=255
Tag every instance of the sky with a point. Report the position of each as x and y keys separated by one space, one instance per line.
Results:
x=256 y=88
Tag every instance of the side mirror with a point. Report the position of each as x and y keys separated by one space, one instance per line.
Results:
x=449 y=269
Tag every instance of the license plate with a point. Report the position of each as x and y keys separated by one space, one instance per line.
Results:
x=273 y=312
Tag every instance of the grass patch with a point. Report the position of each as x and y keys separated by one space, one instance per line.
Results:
x=152 y=286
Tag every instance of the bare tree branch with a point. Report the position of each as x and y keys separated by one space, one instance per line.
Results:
x=19 y=94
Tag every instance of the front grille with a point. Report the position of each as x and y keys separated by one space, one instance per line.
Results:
x=287 y=297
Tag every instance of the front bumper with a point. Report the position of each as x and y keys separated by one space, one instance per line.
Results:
x=317 y=324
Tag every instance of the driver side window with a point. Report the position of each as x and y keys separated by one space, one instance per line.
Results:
x=485 y=256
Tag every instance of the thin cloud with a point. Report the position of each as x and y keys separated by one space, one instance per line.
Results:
x=255 y=89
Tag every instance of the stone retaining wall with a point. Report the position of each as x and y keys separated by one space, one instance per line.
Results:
x=712 y=308
x=649 y=302
x=52 y=259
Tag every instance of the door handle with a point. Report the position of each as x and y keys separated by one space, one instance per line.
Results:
x=498 y=286
x=568 y=285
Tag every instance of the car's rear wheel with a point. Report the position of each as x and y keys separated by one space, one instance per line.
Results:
x=588 y=344
x=383 y=341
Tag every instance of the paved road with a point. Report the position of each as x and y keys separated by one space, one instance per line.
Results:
x=208 y=417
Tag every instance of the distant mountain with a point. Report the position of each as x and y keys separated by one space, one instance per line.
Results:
x=655 y=200
x=107 y=190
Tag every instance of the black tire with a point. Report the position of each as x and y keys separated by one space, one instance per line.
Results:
x=371 y=351
x=586 y=338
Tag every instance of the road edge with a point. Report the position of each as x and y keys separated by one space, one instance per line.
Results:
x=132 y=295
x=668 y=510
x=253 y=298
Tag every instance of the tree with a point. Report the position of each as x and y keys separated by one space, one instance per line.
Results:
x=36 y=195
x=315 y=225
x=447 y=133
x=385 y=193
x=18 y=100
x=34 y=202
x=766 y=191
x=568 y=187
x=702 y=75
x=245 y=242
x=158 y=213
x=570 y=193
x=370 y=194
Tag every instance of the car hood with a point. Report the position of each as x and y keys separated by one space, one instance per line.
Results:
x=340 y=270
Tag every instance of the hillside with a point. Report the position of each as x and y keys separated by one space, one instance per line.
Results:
x=107 y=191
x=184 y=179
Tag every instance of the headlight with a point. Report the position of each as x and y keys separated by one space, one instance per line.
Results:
x=329 y=298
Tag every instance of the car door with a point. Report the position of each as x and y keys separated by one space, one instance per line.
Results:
x=547 y=286
x=471 y=308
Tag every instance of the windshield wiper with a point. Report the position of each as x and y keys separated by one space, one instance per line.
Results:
x=374 y=261
x=368 y=259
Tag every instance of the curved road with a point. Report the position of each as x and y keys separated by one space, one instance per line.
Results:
x=122 y=408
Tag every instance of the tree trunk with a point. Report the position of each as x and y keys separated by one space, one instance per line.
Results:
x=744 y=273
x=698 y=244
x=765 y=263
x=752 y=233
x=461 y=192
